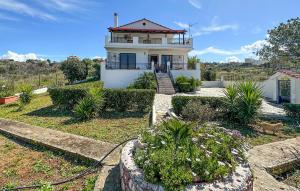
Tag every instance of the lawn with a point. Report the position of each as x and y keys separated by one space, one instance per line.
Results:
x=112 y=127
x=22 y=164
x=291 y=130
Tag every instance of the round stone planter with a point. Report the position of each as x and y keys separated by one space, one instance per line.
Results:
x=132 y=177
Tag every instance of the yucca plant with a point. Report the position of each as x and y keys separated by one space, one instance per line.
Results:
x=243 y=101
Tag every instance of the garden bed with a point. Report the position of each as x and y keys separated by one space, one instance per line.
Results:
x=132 y=176
x=7 y=100
x=22 y=164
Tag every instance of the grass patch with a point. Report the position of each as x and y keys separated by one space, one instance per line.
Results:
x=111 y=127
x=27 y=165
x=291 y=130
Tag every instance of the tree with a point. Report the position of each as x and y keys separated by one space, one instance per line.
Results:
x=283 y=45
x=192 y=61
x=88 y=64
x=73 y=69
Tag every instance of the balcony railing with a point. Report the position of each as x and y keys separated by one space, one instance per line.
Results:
x=174 y=42
x=121 y=40
x=150 y=40
x=137 y=66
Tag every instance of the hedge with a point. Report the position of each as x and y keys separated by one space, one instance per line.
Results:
x=128 y=99
x=115 y=99
x=179 y=102
x=69 y=96
x=292 y=110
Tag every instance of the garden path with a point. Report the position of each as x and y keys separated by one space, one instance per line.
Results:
x=79 y=146
x=162 y=102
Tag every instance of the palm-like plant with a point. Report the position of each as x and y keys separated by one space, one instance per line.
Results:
x=243 y=101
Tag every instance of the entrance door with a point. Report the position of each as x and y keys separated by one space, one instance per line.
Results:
x=164 y=60
x=284 y=91
x=154 y=58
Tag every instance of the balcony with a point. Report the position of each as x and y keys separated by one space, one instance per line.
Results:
x=148 y=43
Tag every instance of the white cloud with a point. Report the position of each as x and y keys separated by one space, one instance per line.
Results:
x=254 y=46
x=20 y=57
x=195 y=3
x=232 y=59
x=19 y=7
x=182 y=25
x=63 y=5
x=217 y=28
x=213 y=50
x=244 y=51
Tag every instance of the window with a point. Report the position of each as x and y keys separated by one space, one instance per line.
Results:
x=127 y=61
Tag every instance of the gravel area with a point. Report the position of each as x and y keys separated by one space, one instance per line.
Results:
x=162 y=102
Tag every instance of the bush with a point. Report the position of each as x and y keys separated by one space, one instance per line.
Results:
x=74 y=69
x=179 y=102
x=196 y=111
x=90 y=106
x=5 y=91
x=67 y=97
x=144 y=81
x=185 y=84
x=242 y=102
x=292 y=110
x=128 y=99
x=25 y=96
x=209 y=75
x=205 y=154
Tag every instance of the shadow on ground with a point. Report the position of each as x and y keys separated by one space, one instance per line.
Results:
x=50 y=111
x=113 y=181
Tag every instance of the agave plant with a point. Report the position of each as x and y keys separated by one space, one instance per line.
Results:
x=243 y=101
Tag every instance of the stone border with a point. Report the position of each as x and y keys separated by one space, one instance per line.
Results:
x=132 y=177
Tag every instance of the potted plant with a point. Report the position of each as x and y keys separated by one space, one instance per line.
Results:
x=7 y=95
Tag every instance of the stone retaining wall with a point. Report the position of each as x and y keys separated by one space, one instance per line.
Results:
x=132 y=177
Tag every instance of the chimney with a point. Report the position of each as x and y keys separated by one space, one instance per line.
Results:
x=116 y=20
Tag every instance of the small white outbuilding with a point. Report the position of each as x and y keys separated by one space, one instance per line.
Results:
x=284 y=86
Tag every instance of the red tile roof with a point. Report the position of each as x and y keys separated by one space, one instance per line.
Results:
x=290 y=73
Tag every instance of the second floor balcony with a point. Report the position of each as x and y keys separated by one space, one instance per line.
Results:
x=142 y=42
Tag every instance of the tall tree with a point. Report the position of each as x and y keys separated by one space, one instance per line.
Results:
x=88 y=64
x=282 y=47
x=74 y=69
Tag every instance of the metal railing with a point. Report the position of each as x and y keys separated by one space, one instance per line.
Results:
x=187 y=41
x=121 y=40
x=117 y=66
x=150 y=40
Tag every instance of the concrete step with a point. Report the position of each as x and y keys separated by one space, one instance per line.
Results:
x=165 y=85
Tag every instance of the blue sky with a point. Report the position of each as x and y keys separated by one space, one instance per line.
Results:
x=55 y=29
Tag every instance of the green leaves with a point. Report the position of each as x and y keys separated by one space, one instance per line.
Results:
x=176 y=154
x=144 y=81
x=186 y=84
x=243 y=101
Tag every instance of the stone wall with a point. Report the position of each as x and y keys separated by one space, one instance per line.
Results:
x=132 y=177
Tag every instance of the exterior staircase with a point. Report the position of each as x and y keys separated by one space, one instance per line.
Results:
x=165 y=85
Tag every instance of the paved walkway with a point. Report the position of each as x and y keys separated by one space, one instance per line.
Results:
x=162 y=102
x=269 y=156
x=69 y=143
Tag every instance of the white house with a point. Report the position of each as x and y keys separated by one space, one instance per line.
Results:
x=284 y=86
x=145 y=46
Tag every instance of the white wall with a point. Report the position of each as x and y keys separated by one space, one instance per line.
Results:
x=119 y=78
x=297 y=91
x=212 y=84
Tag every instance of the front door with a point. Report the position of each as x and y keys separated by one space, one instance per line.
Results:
x=154 y=58
x=284 y=91
x=164 y=60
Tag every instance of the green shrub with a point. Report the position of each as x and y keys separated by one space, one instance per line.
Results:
x=242 y=102
x=144 y=81
x=196 y=111
x=26 y=94
x=91 y=105
x=5 y=91
x=186 y=84
x=292 y=110
x=179 y=102
x=128 y=99
x=74 y=69
x=206 y=153
x=68 y=96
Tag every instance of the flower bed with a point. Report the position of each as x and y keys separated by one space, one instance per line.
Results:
x=182 y=157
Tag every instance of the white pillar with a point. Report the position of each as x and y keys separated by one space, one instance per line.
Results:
x=168 y=66
x=152 y=65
